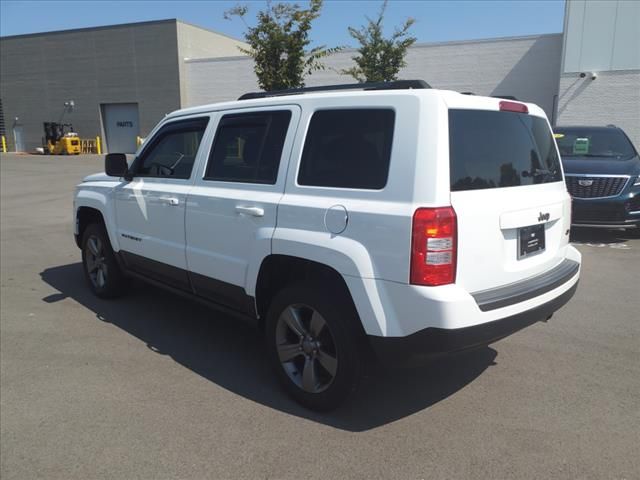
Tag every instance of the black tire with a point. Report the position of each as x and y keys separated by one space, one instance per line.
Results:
x=341 y=340
x=113 y=282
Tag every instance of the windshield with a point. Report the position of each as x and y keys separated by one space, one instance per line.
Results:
x=594 y=142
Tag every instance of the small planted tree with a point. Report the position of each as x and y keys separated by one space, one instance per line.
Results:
x=380 y=59
x=279 y=43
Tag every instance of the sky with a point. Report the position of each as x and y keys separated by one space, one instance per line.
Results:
x=436 y=21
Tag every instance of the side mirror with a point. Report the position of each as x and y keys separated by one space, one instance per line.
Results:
x=115 y=165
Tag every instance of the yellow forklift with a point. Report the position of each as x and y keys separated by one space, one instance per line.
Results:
x=60 y=139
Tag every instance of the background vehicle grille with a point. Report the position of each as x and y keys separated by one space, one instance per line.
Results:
x=601 y=186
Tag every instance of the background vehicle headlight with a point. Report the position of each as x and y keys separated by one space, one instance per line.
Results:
x=637 y=182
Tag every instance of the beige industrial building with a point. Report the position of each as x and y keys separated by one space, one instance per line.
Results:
x=120 y=79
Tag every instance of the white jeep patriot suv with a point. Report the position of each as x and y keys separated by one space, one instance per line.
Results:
x=344 y=220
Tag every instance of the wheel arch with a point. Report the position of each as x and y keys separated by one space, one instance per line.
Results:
x=278 y=271
x=85 y=216
x=90 y=207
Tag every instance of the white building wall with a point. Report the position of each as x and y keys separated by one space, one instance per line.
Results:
x=525 y=67
x=612 y=98
x=214 y=80
x=601 y=37
x=197 y=42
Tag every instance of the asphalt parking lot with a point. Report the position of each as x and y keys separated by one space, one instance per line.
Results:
x=152 y=386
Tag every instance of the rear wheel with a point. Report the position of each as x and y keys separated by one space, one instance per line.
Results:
x=101 y=268
x=314 y=345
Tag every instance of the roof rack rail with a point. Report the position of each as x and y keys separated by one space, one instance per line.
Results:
x=467 y=93
x=395 y=85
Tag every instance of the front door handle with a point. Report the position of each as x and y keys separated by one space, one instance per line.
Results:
x=253 y=211
x=170 y=201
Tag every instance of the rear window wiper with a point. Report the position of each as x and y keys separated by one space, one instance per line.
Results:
x=537 y=172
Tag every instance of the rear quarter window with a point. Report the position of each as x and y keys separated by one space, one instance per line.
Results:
x=348 y=149
x=493 y=149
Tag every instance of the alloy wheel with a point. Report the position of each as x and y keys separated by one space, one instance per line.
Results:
x=306 y=348
x=96 y=262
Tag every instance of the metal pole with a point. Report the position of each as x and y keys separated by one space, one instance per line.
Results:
x=98 y=146
x=4 y=145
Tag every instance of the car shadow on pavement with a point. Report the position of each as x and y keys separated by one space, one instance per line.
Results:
x=229 y=353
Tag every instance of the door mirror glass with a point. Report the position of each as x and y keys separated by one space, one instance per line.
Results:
x=115 y=164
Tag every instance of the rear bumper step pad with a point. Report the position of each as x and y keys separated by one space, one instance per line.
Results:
x=521 y=291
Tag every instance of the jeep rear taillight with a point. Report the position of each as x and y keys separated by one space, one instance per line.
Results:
x=433 y=246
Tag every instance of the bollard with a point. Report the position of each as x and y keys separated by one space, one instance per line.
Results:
x=4 y=145
x=99 y=150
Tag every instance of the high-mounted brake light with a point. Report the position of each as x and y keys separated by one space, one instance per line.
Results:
x=513 y=107
x=433 y=246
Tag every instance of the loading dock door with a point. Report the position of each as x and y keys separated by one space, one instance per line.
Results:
x=120 y=121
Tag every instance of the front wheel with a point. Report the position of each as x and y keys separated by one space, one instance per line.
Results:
x=314 y=345
x=101 y=268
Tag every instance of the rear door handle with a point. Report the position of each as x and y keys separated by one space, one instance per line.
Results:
x=253 y=211
x=170 y=201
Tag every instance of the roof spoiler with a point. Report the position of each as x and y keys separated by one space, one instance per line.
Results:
x=505 y=97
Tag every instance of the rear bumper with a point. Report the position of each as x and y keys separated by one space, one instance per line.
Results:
x=440 y=340
x=392 y=309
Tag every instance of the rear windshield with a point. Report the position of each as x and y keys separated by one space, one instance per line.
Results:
x=594 y=142
x=490 y=149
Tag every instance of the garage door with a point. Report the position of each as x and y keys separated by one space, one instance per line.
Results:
x=120 y=122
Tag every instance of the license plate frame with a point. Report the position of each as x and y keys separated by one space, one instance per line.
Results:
x=531 y=240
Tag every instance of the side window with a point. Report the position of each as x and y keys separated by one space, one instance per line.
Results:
x=248 y=147
x=173 y=150
x=348 y=149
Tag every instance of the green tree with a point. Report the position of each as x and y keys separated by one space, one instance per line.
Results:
x=279 y=43
x=380 y=59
